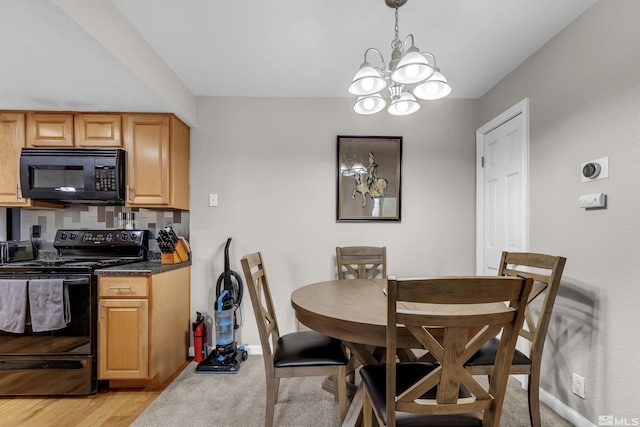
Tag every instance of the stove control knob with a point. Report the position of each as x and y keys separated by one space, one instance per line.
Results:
x=63 y=236
x=125 y=236
x=133 y=236
x=109 y=237
x=73 y=236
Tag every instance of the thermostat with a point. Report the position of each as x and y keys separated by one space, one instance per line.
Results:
x=591 y=170
x=594 y=170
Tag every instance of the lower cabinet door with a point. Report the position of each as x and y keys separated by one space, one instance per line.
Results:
x=123 y=334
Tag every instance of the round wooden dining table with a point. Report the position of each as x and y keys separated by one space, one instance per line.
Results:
x=355 y=311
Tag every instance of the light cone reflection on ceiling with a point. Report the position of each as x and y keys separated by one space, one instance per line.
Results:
x=410 y=74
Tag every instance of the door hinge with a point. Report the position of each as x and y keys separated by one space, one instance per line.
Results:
x=482 y=162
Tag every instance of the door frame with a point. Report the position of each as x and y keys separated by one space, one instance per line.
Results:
x=521 y=107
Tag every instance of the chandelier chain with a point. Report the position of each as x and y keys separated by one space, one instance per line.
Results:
x=396 y=44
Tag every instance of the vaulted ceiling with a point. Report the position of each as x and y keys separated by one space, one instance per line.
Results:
x=55 y=58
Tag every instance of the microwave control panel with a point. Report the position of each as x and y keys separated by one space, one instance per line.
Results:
x=106 y=179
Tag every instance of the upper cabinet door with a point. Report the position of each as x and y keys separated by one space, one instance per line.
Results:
x=146 y=140
x=11 y=142
x=49 y=130
x=98 y=130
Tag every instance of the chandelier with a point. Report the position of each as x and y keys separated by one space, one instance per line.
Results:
x=411 y=74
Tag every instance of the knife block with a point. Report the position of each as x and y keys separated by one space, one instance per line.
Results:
x=180 y=253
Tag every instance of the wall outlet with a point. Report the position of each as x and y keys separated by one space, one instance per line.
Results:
x=578 y=385
x=213 y=200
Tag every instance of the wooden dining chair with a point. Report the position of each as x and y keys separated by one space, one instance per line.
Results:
x=546 y=270
x=361 y=262
x=298 y=354
x=444 y=393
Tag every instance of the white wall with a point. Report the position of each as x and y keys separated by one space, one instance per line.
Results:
x=584 y=90
x=272 y=163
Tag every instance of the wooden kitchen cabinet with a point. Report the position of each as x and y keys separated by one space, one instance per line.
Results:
x=12 y=139
x=98 y=130
x=49 y=130
x=67 y=130
x=123 y=327
x=124 y=339
x=157 y=148
x=143 y=327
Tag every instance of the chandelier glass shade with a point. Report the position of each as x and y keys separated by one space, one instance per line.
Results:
x=409 y=75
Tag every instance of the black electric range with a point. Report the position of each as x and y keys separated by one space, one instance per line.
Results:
x=41 y=358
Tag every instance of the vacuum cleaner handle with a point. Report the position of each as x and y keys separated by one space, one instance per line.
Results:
x=227 y=267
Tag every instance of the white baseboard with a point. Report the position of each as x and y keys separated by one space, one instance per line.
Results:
x=558 y=406
x=564 y=411
x=253 y=349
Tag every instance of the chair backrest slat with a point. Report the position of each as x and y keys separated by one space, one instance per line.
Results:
x=262 y=304
x=546 y=271
x=481 y=312
x=361 y=262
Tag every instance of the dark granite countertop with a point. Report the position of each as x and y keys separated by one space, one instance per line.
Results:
x=144 y=268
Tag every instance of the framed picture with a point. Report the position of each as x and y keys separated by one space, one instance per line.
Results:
x=368 y=178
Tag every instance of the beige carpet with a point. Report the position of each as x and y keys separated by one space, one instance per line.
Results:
x=229 y=400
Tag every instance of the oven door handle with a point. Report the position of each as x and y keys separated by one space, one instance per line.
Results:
x=83 y=281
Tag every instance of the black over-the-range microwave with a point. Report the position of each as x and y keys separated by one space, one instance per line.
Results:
x=73 y=175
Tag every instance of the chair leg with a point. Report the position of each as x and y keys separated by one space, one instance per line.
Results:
x=352 y=375
x=534 y=398
x=341 y=388
x=276 y=389
x=367 y=410
x=272 y=397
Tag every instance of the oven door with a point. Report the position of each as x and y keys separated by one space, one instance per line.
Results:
x=56 y=362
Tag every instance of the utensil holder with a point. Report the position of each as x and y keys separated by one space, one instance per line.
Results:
x=179 y=254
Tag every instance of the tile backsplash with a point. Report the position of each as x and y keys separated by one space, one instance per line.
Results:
x=99 y=217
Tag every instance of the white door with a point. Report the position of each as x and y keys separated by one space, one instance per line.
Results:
x=502 y=150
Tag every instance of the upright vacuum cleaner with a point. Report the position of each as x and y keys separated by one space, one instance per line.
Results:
x=227 y=356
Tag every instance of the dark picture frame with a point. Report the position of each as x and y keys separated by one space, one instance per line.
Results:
x=369 y=177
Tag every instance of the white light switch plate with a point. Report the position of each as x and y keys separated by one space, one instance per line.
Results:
x=213 y=200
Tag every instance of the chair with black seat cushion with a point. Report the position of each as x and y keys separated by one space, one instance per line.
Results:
x=444 y=393
x=298 y=354
x=361 y=262
x=546 y=270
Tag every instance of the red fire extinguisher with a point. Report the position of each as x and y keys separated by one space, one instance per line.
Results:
x=200 y=348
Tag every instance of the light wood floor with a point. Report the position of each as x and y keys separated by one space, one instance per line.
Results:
x=109 y=407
